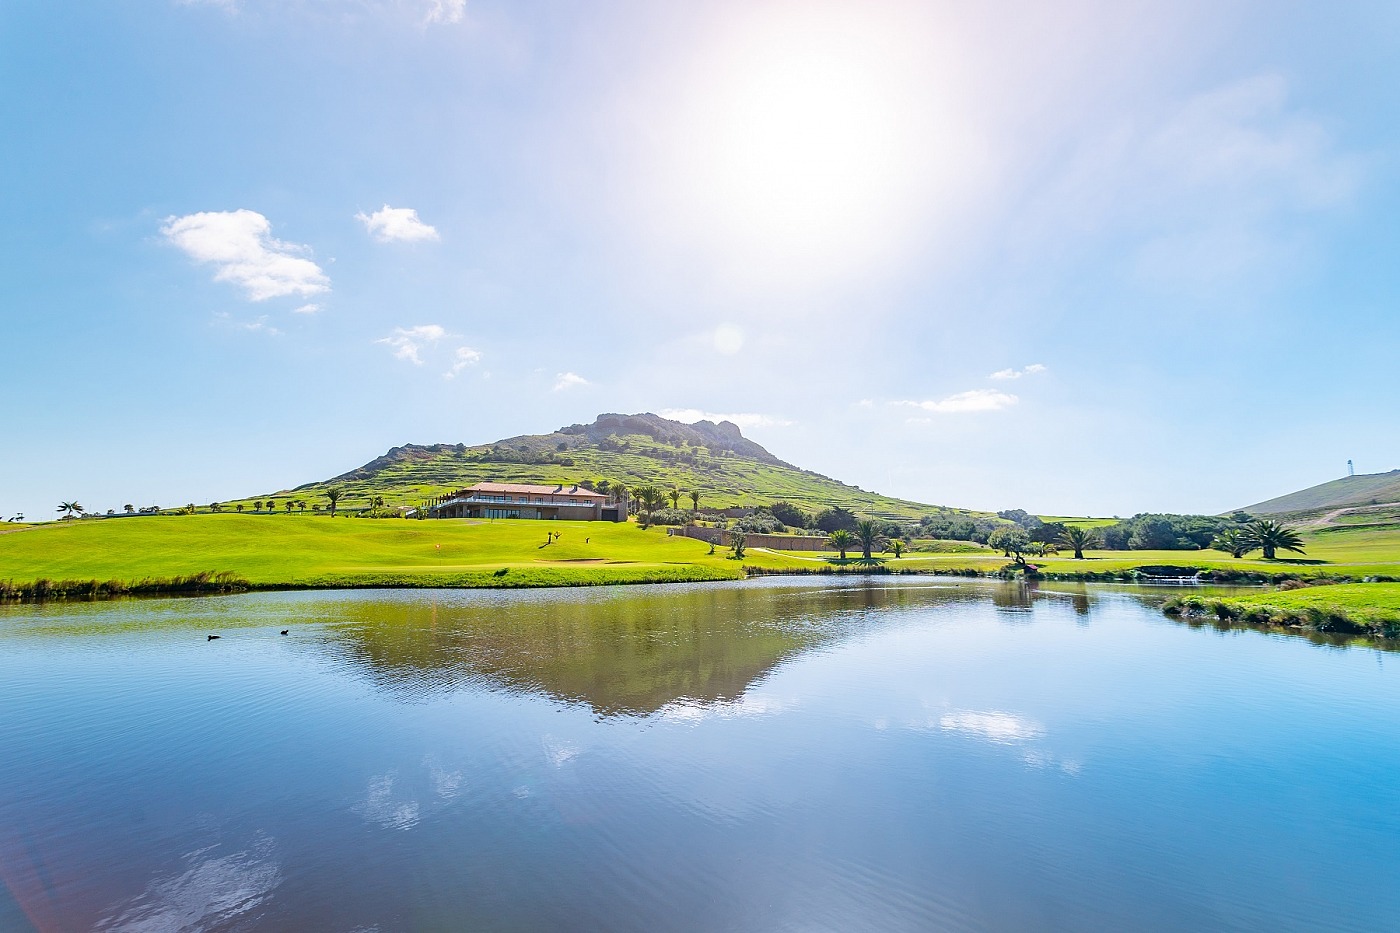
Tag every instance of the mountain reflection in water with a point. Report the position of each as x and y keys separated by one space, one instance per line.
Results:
x=629 y=652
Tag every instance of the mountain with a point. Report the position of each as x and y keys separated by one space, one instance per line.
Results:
x=1348 y=492
x=727 y=468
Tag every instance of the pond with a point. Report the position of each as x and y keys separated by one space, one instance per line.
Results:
x=768 y=755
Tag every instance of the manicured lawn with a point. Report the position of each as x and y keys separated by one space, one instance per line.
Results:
x=306 y=549
x=1372 y=608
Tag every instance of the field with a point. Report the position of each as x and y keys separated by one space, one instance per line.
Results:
x=315 y=550
x=311 y=549
x=1363 y=608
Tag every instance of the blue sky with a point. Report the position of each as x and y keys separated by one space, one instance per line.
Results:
x=1083 y=258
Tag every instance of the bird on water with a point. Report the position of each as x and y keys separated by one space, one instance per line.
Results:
x=285 y=631
x=212 y=637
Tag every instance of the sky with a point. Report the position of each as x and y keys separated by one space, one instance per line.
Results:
x=1077 y=258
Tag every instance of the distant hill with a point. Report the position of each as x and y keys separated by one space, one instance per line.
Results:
x=727 y=468
x=1347 y=492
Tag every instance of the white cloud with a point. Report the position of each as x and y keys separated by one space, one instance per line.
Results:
x=240 y=245
x=310 y=308
x=1030 y=370
x=568 y=381
x=258 y=325
x=446 y=11
x=407 y=341
x=397 y=224
x=973 y=400
x=1002 y=728
x=742 y=419
x=464 y=357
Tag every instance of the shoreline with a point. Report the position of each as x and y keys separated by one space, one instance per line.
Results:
x=222 y=583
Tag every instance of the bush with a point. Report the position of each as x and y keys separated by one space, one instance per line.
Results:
x=791 y=515
x=761 y=522
x=670 y=517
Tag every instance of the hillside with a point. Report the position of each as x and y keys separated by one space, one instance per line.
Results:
x=727 y=468
x=1348 y=492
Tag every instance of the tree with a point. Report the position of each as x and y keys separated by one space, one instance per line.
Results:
x=68 y=508
x=1078 y=538
x=836 y=518
x=695 y=500
x=897 y=546
x=737 y=542
x=1233 y=541
x=789 y=514
x=257 y=505
x=333 y=494
x=868 y=534
x=216 y=506
x=674 y=494
x=1013 y=542
x=1272 y=537
x=842 y=540
x=128 y=508
x=238 y=507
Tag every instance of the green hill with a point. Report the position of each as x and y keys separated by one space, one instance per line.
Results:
x=1347 y=492
x=727 y=468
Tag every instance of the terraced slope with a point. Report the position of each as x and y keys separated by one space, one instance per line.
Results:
x=1366 y=489
x=727 y=468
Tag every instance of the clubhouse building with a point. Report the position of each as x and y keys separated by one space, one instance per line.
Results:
x=522 y=500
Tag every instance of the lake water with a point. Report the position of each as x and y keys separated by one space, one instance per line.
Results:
x=772 y=755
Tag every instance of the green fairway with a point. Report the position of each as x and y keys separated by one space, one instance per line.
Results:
x=307 y=549
x=315 y=550
x=1369 y=608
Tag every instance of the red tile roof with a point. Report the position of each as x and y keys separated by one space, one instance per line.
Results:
x=526 y=489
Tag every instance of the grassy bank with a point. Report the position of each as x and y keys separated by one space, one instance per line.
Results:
x=300 y=550
x=1361 y=608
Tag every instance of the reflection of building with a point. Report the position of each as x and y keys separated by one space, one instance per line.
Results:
x=522 y=500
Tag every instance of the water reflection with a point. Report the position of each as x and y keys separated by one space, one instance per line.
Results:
x=213 y=891
x=680 y=651
x=771 y=755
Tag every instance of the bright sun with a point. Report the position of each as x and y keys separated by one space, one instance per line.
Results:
x=806 y=136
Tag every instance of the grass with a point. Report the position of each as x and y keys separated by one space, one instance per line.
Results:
x=314 y=550
x=1362 y=608
x=1078 y=521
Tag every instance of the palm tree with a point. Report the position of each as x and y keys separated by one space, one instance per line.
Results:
x=1078 y=538
x=897 y=546
x=1273 y=537
x=1233 y=541
x=842 y=540
x=333 y=494
x=68 y=508
x=868 y=534
x=695 y=500
x=674 y=495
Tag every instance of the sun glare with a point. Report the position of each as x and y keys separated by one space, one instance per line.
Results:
x=808 y=138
